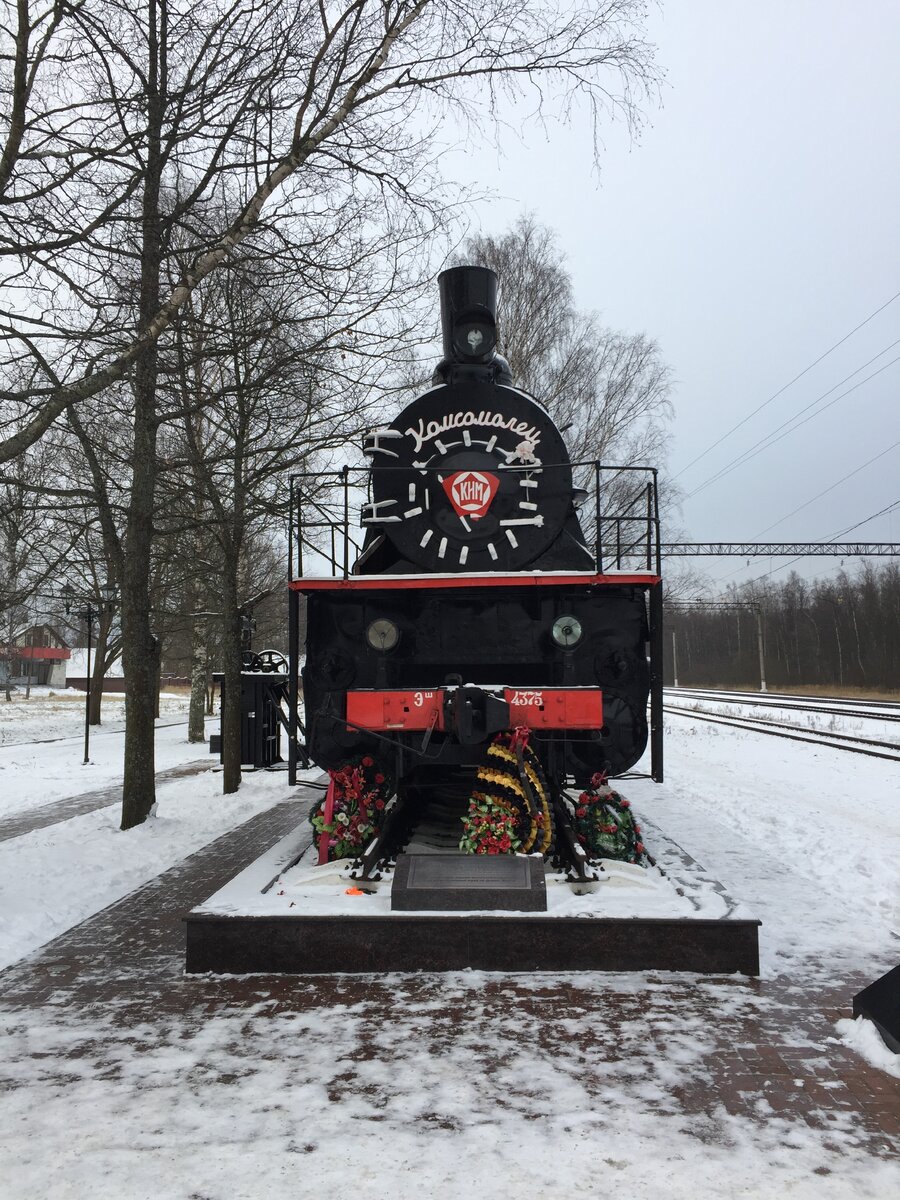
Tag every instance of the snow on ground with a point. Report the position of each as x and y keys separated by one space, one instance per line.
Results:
x=862 y=1036
x=57 y=876
x=49 y=714
x=473 y=1085
x=849 y=723
x=445 y=1088
x=35 y=773
x=808 y=837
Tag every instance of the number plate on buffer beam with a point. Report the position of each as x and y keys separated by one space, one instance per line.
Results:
x=538 y=708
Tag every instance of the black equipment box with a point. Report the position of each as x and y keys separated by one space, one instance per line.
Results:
x=262 y=695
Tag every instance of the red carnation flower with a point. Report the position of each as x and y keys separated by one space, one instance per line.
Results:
x=580 y=812
x=368 y=761
x=625 y=803
x=379 y=804
x=379 y=779
x=640 y=847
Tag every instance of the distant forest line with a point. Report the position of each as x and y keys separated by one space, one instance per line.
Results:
x=842 y=632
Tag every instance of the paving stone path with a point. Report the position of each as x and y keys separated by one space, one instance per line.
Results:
x=19 y=823
x=767 y=1050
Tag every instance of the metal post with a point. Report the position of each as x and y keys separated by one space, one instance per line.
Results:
x=290 y=528
x=597 y=518
x=89 y=614
x=761 y=646
x=674 y=661
x=346 y=474
x=649 y=522
x=656 y=682
x=293 y=686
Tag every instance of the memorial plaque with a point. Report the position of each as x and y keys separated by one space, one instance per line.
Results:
x=468 y=883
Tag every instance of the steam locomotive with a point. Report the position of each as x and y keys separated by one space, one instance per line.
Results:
x=476 y=604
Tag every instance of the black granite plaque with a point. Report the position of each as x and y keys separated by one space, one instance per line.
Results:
x=468 y=883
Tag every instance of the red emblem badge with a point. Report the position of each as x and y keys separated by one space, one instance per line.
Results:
x=471 y=492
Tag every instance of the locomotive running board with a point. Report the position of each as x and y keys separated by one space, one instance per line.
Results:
x=247 y=927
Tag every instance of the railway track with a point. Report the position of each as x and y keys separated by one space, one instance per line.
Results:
x=833 y=741
x=861 y=709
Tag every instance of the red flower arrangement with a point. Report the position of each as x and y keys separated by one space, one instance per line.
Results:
x=489 y=828
x=352 y=811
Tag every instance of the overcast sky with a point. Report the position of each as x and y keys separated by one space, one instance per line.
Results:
x=753 y=226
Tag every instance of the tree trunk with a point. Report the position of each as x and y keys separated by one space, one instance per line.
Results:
x=231 y=677
x=196 y=725
x=140 y=649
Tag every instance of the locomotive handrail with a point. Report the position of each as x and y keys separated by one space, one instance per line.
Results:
x=631 y=531
x=331 y=522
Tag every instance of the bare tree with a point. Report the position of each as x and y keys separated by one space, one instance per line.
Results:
x=161 y=102
x=263 y=393
x=126 y=121
x=608 y=391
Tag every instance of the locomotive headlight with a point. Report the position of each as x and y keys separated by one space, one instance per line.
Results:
x=474 y=338
x=566 y=631
x=382 y=634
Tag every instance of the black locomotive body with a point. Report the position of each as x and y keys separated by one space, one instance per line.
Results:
x=476 y=604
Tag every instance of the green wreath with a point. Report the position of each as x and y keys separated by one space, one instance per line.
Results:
x=361 y=792
x=489 y=827
x=605 y=826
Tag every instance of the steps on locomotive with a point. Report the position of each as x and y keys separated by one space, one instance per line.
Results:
x=439 y=829
x=435 y=810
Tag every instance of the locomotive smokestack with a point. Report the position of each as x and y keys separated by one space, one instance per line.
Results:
x=469 y=327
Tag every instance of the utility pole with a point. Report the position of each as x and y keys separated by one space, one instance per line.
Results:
x=761 y=647
x=674 y=661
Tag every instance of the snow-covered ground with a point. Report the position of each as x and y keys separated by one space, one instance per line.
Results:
x=49 y=714
x=475 y=1085
x=57 y=876
x=807 y=837
x=34 y=773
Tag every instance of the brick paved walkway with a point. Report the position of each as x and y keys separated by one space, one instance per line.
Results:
x=762 y=1050
x=19 y=823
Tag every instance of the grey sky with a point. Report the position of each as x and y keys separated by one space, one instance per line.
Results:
x=753 y=226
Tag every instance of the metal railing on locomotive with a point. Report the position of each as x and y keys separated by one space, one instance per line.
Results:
x=623 y=537
x=621 y=527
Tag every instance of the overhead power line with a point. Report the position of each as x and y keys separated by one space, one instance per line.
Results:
x=831 y=488
x=776 y=435
x=785 y=387
x=881 y=512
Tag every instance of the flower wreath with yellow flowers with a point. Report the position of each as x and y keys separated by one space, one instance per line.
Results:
x=509 y=810
x=605 y=825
